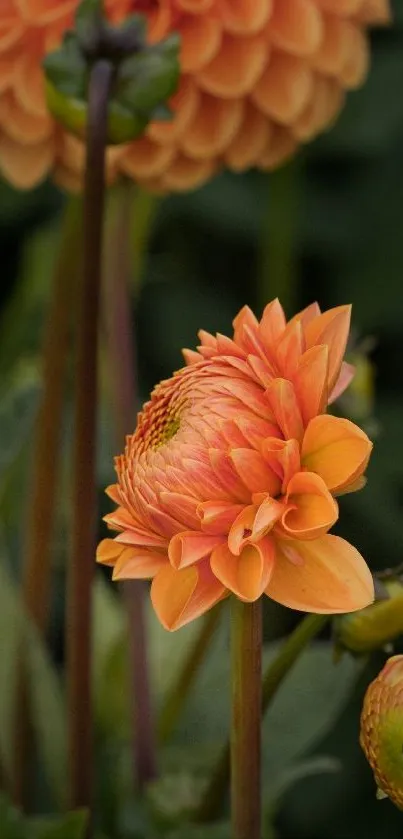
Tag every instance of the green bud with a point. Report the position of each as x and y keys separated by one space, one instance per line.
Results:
x=374 y=627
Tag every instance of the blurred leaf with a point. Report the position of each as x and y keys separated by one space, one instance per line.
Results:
x=70 y=826
x=280 y=783
x=48 y=712
x=11 y=821
x=18 y=406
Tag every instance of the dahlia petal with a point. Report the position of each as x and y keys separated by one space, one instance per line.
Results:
x=245 y=317
x=216 y=517
x=235 y=69
x=138 y=564
x=346 y=376
x=283 y=402
x=310 y=382
x=336 y=449
x=213 y=127
x=312 y=510
x=284 y=87
x=306 y=315
x=244 y=17
x=332 y=577
x=185 y=173
x=241 y=530
x=254 y=471
x=283 y=458
x=191 y=356
x=289 y=350
x=255 y=430
x=282 y=145
x=272 y=324
x=179 y=597
x=250 y=140
x=25 y=166
x=182 y=507
x=227 y=475
x=296 y=26
x=248 y=574
x=331 y=328
x=333 y=51
x=266 y=517
x=120 y=519
x=108 y=551
x=113 y=492
x=201 y=37
x=189 y=547
x=139 y=537
x=146 y=158
x=355 y=70
x=183 y=104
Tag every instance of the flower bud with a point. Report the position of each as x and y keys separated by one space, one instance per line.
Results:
x=381 y=735
x=374 y=627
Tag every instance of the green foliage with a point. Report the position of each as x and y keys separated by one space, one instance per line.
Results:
x=14 y=826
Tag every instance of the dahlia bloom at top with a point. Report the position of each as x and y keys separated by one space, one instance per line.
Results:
x=228 y=483
x=258 y=78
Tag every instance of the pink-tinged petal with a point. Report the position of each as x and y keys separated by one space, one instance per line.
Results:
x=248 y=574
x=290 y=349
x=182 y=507
x=226 y=473
x=120 y=519
x=255 y=430
x=254 y=471
x=336 y=449
x=241 y=530
x=216 y=517
x=227 y=347
x=113 y=492
x=146 y=538
x=179 y=597
x=207 y=339
x=191 y=357
x=310 y=382
x=262 y=370
x=331 y=578
x=268 y=514
x=346 y=376
x=272 y=324
x=331 y=328
x=243 y=318
x=138 y=564
x=108 y=551
x=283 y=458
x=189 y=547
x=312 y=510
x=284 y=404
x=308 y=314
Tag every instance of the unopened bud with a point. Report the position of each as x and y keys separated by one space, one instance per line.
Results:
x=381 y=735
x=374 y=627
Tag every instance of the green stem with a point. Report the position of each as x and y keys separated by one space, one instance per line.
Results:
x=246 y=691
x=121 y=351
x=81 y=567
x=278 y=269
x=273 y=678
x=177 y=695
x=36 y=573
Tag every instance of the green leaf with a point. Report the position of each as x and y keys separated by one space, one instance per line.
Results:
x=11 y=821
x=71 y=826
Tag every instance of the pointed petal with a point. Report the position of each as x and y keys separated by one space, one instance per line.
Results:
x=179 y=597
x=283 y=458
x=267 y=515
x=120 y=519
x=346 y=376
x=332 y=577
x=137 y=536
x=243 y=318
x=254 y=471
x=289 y=350
x=138 y=564
x=307 y=315
x=272 y=324
x=182 y=507
x=312 y=510
x=191 y=356
x=283 y=402
x=310 y=382
x=335 y=449
x=227 y=475
x=217 y=516
x=108 y=551
x=241 y=530
x=189 y=547
x=113 y=492
x=332 y=329
x=248 y=574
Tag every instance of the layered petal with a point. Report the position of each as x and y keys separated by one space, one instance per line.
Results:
x=248 y=574
x=331 y=577
x=311 y=510
x=179 y=597
x=337 y=450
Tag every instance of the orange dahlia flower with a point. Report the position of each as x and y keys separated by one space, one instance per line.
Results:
x=228 y=483
x=258 y=78
x=382 y=729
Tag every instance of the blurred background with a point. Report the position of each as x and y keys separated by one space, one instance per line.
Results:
x=327 y=227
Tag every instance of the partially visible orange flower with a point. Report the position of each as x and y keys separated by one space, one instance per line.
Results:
x=381 y=734
x=258 y=78
x=228 y=483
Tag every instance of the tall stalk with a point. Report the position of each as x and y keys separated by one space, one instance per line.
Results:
x=36 y=572
x=81 y=566
x=246 y=694
x=123 y=379
x=278 y=270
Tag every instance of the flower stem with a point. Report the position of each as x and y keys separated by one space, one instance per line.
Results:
x=278 y=270
x=177 y=695
x=246 y=689
x=121 y=351
x=36 y=573
x=273 y=678
x=81 y=567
